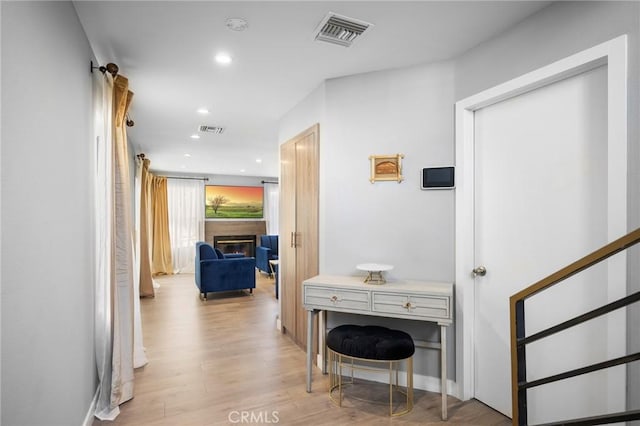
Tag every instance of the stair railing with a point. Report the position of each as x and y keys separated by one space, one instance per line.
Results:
x=519 y=340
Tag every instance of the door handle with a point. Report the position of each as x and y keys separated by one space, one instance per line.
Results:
x=479 y=270
x=292 y=242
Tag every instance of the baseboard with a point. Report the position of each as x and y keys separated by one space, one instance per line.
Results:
x=278 y=324
x=88 y=419
x=432 y=384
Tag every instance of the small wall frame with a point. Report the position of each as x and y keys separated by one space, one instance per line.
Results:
x=386 y=167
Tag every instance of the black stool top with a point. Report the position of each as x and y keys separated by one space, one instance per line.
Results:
x=370 y=342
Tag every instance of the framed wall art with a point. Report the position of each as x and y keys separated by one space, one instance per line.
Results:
x=386 y=167
x=233 y=202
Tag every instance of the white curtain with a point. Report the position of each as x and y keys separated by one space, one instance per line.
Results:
x=271 y=203
x=186 y=221
x=103 y=202
x=117 y=311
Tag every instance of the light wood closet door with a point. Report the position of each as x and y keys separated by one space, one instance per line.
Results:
x=299 y=225
x=287 y=252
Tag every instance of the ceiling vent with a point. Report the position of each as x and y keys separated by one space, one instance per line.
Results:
x=338 y=29
x=211 y=129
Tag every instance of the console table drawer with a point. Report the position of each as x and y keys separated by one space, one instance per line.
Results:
x=412 y=305
x=336 y=298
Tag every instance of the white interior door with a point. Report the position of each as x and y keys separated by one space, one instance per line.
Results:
x=540 y=204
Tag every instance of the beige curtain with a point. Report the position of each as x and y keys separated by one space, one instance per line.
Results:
x=161 y=258
x=121 y=252
x=146 y=231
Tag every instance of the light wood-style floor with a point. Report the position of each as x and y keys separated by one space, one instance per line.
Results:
x=211 y=362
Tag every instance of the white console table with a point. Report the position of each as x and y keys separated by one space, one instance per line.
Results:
x=415 y=300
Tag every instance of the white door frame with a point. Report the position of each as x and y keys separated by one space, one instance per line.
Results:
x=613 y=53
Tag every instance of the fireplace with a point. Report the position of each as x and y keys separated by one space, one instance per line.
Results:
x=245 y=244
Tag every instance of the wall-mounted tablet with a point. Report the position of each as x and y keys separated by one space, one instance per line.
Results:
x=438 y=178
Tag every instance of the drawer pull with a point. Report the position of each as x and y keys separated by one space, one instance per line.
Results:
x=408 y=306
x=334 y=299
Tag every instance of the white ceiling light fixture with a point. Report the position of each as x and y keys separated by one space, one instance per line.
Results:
x=223 y=59
x=187 y=155
x=195 y=136
x=242 y=170
x=202 y=111
x=237 y=24
x=340 y=30
x=258 y=160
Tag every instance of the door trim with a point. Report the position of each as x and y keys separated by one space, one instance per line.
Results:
x=612 y=53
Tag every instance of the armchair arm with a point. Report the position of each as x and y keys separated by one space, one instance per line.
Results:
x=263 y=255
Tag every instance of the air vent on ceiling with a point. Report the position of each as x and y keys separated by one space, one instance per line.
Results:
x=338 y=29
x=211 y=129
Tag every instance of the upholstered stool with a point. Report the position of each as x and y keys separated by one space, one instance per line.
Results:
x=372 y=344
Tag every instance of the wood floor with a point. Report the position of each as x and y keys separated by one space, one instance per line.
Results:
x=213 y=362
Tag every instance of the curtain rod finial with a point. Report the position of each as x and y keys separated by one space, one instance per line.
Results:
x=110 y=67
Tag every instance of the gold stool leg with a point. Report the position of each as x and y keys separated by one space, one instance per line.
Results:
x=339 y=380
x=391 y=388
x=410 y=383
x=331 y=376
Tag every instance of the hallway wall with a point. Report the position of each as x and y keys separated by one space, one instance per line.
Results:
x=48 y=361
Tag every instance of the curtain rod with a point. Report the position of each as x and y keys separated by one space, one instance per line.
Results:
x=269 y=181
x=188 y=178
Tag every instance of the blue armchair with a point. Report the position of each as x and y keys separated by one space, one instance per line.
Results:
x=215 y=272
x=268 y=250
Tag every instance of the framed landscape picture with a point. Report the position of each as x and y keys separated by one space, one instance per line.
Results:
x=233 y=202
x=386 y=167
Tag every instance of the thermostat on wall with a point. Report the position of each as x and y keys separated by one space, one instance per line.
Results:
x=438 y=178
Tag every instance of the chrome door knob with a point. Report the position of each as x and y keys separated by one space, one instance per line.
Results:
x=480 y=270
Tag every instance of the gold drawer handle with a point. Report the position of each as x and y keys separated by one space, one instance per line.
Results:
x=407 y=306
x=334 y=299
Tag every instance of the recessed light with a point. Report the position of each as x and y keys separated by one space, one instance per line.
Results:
x=183 y=167
x=237 y=24
x=203 y=111
x=187 y=155
x=258 y=160
x=242 y=170
x=195 y=136
x=223 y=59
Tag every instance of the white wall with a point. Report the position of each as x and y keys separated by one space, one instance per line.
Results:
x=305 y=114
x=407 y=111
x=48 y=362
x=555 y=32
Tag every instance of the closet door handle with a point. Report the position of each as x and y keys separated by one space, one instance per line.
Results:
x=292 y=242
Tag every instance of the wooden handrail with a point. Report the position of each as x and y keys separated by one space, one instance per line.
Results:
x=516 y=307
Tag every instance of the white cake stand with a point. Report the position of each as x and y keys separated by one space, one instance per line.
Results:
x=374 y=272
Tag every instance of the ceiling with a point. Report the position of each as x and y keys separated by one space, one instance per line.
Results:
x=167 y=50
